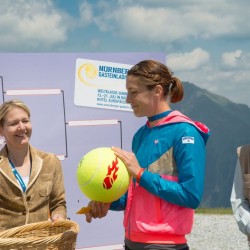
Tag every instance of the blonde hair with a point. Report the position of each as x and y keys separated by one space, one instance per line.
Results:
x=9 y=105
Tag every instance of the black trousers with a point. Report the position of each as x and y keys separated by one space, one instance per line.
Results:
x=152 y=248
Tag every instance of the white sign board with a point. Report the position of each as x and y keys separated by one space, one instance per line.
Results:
x=101 y=84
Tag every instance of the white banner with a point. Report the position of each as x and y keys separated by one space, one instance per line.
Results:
x=101 y=84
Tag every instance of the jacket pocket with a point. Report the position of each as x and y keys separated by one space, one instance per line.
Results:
x=45 y=185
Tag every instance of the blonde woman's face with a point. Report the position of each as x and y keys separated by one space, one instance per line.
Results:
x=16 y=128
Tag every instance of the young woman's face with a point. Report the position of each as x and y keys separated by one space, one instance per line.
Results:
x=16 y=128
x=141 y=99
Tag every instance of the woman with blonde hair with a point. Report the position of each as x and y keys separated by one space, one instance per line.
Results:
x=31 y=181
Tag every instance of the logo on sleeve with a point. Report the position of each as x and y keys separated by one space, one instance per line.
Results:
x=187 y=139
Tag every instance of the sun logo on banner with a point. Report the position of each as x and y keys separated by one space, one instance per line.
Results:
x=87 y=72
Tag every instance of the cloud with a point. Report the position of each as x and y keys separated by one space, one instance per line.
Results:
x=140 y=23
x=164 y=22
x=231 y=58
x=237 y=66
x=189 y=60
x=39 y=23
x=237 y=60
x=31 y=24
x=86 y=13
x=231 y=81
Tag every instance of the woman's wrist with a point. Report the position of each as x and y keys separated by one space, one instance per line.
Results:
x=139 y=174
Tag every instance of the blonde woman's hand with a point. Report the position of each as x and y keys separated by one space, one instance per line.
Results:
x=57 y=217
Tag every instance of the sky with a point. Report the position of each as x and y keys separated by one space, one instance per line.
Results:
x=207 y=42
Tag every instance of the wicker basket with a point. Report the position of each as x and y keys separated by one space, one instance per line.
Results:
x=60 y=235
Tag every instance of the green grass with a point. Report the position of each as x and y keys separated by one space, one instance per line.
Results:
x=214 y=211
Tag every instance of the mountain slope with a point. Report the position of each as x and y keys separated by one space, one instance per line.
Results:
x=229 y=124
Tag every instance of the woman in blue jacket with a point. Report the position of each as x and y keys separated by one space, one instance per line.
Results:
x=167 y=164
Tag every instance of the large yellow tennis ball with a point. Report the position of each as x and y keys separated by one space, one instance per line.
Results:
x=102 y=176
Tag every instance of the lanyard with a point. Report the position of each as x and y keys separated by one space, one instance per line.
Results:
x=18 y=176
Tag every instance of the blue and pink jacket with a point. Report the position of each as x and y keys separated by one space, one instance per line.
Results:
x=160 y=208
